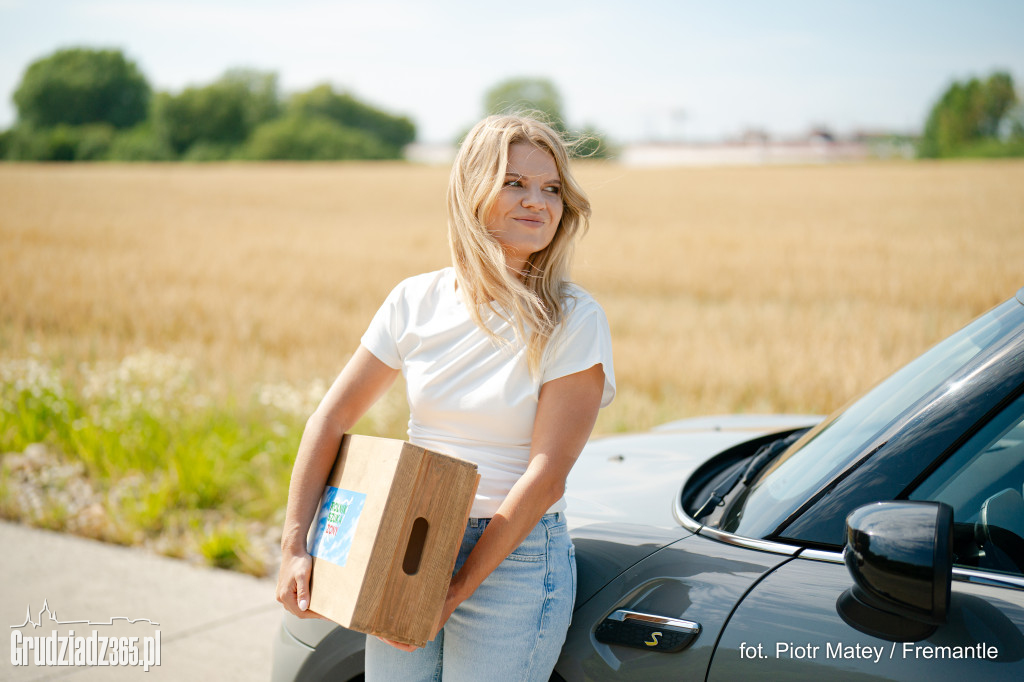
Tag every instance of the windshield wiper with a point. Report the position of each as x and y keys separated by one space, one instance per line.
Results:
x=764 y=455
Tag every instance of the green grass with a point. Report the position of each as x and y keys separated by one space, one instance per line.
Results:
x=163 y=461
x=229 y=548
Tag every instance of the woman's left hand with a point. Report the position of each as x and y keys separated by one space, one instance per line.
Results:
x=451 y=602
x=399 y=645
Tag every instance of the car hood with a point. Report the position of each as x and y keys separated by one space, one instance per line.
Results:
x=622 y=490
x=634 y=479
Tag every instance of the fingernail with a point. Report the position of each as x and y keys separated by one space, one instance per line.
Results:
x=303 y=604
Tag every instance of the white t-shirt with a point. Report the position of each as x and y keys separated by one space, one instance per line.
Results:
x=469 y=396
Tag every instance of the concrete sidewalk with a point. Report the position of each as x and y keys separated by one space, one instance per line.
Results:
x=211 y=624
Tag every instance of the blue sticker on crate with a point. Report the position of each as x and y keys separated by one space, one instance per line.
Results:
x=336 y=525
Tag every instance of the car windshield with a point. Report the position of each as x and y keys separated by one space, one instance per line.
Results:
x=838 y=441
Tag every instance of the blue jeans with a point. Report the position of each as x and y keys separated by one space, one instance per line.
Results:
x=513 y=626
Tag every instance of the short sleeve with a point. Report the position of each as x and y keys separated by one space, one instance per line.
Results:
x=381 y=337
x=583 y=340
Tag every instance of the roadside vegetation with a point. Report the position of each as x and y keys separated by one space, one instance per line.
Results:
x=133 y=453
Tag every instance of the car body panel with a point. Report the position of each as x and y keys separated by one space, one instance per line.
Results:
x=695 y=579
x=289 y=654
x=311 y=650
x=788 y=628
x=308 y=631
x=604 y=551
x=760 y=423
x=636 y=478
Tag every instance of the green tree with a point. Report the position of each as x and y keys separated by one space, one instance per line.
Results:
x=526 y=94
x=312 y=138
x=219 y=116
x=6 y=139
x=1012 y=125
x=539 y=96
x=968 y=118
x=79 y=85
x=93 y=141
x=393 y=132
x=140 y=143
x=997 y=99
x=61 y=142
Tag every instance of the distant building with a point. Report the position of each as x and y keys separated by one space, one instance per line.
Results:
x=757 y=147
x=430 y=153
x=751 y=148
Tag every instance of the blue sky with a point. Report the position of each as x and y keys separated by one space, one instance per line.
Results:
x=637 y=69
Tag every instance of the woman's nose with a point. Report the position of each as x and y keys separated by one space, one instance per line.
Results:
x=533 y=199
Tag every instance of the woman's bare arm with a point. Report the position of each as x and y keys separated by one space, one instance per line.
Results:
x=363 y=380
x=566 y=413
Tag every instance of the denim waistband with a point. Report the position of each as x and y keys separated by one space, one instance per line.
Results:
x=482 y=523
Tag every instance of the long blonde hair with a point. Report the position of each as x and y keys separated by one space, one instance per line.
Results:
x=531 y=303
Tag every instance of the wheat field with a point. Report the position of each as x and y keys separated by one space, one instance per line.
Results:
x=756 y=289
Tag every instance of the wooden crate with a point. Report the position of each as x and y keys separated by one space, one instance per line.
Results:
x=385 y=540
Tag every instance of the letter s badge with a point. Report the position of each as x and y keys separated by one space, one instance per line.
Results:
x=654 y=639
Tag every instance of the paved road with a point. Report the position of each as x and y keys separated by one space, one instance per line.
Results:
x=212 y=624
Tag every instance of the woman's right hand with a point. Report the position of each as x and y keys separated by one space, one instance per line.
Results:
x=293 y=583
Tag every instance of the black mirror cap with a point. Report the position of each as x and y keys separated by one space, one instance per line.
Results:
x=900 y=556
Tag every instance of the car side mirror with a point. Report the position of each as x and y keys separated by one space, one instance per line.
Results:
x=900 y=555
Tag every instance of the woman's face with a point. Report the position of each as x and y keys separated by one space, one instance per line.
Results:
x=525 y=216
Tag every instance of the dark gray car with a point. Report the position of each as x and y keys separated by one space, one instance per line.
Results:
x=884 y=542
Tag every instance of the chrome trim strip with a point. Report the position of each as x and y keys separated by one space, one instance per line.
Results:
x=967 y=575
x=822 y=555
x=681 y=517
x=699 y=528
x=960 y=573
x=749 y=543
x=971 y=575
x=677 y=624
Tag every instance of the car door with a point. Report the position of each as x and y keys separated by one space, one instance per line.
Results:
x=661 y=617
x=790 y=626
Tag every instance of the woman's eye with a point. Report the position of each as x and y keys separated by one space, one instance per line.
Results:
x=554 y=189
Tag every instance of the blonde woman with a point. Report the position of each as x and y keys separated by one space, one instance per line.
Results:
x=507 y=364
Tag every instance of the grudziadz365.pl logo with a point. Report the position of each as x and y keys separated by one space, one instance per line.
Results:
x=69 y=649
